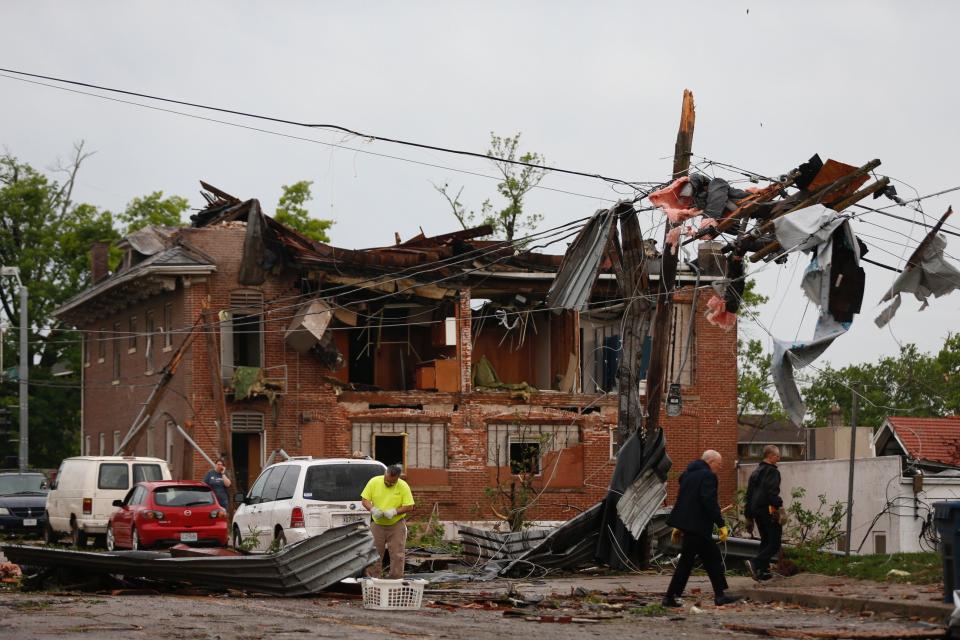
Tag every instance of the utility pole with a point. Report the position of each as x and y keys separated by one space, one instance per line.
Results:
x=14 y=272
x=656 y=373
x=853 y=452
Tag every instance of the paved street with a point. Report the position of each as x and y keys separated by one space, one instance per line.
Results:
x=459 y=616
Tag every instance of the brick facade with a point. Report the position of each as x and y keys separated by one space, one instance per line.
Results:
x=314 y=416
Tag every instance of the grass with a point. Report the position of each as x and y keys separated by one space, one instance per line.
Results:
x=650 y=610
x=924 y=568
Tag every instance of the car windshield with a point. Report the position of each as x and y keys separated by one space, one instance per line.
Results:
x=182 y=496
x=22 y=483
x=338 y=482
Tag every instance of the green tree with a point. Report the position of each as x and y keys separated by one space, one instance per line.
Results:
x=911 y=383
x=153 y=210
x=516 y=182
x=48 y=236
x=291 y=211
x=755 y=393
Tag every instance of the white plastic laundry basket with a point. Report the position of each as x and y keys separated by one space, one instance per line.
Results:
x=392 y=594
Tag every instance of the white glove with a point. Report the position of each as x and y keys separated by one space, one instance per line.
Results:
x=390 y=513
x=376 y=513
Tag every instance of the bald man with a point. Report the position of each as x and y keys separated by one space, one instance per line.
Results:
x=696 y=512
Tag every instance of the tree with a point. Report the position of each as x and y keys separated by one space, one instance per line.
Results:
x=48 y=236
x=911 y=383
x=292 y=212
x=754 y=384
x=517 y=181
x=151 y=210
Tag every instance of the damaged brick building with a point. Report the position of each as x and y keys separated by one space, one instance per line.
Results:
x=438 y=352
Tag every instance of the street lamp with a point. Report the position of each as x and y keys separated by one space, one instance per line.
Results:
x=14 y=272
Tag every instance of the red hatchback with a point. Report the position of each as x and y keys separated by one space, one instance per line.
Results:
x=156 y=514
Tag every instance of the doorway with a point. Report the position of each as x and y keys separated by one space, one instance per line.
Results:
x=247 y=458
x=389 y=448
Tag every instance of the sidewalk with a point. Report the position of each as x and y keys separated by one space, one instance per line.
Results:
x=911 y=602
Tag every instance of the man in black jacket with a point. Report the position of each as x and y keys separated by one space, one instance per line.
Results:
x=694 y=514
x=763 y=507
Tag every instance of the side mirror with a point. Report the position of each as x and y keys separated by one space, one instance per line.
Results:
x=118 y=503
x=238 y=498
x=53 y=485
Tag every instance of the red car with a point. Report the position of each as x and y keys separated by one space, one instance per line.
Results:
x=157 y=514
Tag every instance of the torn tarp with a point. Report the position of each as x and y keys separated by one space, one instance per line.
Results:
x=930 y=275
x=833 y=280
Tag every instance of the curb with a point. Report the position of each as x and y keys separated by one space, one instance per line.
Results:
x=906 y=609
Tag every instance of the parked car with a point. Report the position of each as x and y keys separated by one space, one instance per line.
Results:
x=302 y=497
x=161 y=514
x=81 y=498
x=23 y=501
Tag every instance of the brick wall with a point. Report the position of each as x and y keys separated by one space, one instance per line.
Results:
x=312 y=417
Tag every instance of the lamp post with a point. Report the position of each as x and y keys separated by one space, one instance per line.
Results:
x=14 y=272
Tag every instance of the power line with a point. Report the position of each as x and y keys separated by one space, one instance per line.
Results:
x=331 y=127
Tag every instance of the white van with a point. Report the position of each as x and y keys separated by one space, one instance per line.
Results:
x=81 y=497
x=302 y=497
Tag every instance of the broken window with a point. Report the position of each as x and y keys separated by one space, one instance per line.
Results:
x=524 y=345
x=241 y=332
x=117 y=346
x=522 y=447
x=415 y=444
x=683 y=345
x=148 y=346
x=168 y=325
x=601 y=348
x=132 y=335
x=401 y=346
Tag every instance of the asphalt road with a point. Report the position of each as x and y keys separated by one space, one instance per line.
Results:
x=64 y=617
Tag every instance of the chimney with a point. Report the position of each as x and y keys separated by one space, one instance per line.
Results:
x=836 y=417
x=99 y=261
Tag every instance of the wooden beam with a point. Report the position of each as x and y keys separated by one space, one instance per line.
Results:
x=840 y=206
x=656 y=371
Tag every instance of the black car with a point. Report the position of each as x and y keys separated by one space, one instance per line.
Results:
x=23 y=502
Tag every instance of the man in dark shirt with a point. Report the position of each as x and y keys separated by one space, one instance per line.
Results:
x=694 y=515
x=763 y=507
x=217 y=480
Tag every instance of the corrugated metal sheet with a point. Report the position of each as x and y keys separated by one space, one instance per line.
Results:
x=482 y=545
x=643 y=497
x=640 y=501
x=300 y=569
x=569 y=546
x=572 y=287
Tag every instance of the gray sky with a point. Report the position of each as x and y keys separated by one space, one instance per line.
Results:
x=592 y=86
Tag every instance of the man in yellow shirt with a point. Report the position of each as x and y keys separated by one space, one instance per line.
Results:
x=388 y=499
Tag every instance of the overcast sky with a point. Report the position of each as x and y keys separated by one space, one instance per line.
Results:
x=593 y=86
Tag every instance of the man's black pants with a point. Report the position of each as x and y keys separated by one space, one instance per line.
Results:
x=695 y=545
x=771 y=535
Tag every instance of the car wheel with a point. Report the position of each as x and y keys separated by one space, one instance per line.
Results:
x=135 y=540
x=49 y=535
x=279 y=539
x=237 y=538
x=77 y=537
x=111 y=541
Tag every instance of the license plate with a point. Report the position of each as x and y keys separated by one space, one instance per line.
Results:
x=29 y=522
x=353 y=518
x=188 y=537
